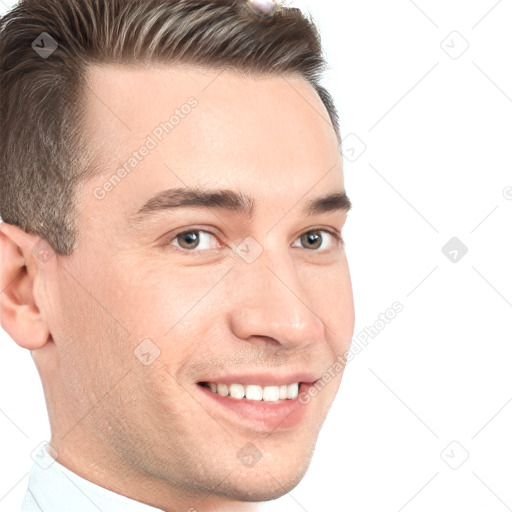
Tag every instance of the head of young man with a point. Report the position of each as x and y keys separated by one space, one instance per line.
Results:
x=173 y=198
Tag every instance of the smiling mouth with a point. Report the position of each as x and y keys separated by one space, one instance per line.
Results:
x=254 y=392
x=264 y=408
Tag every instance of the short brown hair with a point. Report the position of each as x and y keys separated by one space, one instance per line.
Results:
x=43 y=151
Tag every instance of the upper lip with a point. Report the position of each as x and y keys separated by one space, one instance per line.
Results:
x=263 y=378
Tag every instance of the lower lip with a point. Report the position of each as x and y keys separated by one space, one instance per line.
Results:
x=258 y=414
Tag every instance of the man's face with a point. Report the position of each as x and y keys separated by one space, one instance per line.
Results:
x=142 y=319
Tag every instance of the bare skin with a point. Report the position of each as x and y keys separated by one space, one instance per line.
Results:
x=149 y=431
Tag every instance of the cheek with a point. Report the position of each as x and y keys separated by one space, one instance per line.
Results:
x=163 y=303
x=95 y=332
x=89 y=344
x=330 y=292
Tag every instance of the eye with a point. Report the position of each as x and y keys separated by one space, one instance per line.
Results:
x=313 y=239
x=192 y=239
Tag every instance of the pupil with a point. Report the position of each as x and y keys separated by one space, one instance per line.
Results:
x=313 y=239
x=190 y=238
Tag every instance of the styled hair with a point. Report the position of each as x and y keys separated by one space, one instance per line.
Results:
x=43 y=147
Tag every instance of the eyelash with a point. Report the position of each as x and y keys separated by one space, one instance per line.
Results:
x=337 y=236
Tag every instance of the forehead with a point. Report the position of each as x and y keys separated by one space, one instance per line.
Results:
x=157 y=128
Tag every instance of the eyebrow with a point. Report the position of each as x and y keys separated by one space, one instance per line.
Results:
x=225 y=199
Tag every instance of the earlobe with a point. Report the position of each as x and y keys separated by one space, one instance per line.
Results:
x=20 y=316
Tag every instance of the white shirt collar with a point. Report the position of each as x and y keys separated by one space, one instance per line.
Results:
x=54 y=488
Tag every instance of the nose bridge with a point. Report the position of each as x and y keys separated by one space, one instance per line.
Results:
x=273 y=304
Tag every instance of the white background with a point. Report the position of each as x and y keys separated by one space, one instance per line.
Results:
x=435 y=385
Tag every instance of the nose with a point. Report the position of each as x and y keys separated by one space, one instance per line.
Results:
x=273 y=307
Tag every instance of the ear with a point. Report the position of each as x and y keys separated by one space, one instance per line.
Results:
x=21 y=257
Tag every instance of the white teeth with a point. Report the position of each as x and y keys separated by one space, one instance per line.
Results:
x=236 y=391
x=255 y=392
x=292 y=390
x=222 y=390
x=271 y=393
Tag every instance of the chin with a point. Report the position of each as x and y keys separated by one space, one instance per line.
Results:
x=263 y=486
x=266 y=481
